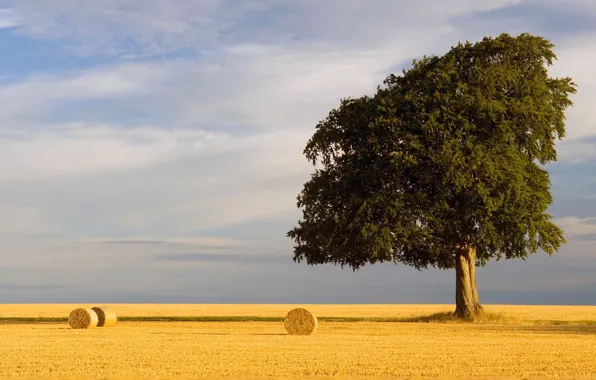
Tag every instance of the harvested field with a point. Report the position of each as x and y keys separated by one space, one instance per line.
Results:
x=545 y=313
x=261 y=349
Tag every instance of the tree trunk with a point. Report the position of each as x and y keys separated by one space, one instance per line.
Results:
x=466 y=293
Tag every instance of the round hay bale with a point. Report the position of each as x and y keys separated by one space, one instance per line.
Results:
x=300 y=322
x=106 y=316
x=82 y=319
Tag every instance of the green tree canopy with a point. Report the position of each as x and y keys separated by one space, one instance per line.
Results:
x=442 y=166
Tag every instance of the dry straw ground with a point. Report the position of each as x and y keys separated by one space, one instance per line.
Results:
x=337 y=349
x=563 y=313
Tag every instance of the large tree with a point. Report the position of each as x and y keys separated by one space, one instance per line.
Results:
x=442 y=167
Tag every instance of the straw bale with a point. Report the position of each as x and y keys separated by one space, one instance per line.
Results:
x=82 y=319
x=106 y=316
x=300 y=322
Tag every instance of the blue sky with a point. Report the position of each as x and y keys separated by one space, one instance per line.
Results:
x=151 y=151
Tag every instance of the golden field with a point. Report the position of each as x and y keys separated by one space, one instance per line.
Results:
x=263 y=349
x=566 y=313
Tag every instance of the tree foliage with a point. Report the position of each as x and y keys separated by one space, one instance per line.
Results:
x=446 y=155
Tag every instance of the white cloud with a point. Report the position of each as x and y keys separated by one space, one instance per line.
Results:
x=576 y=151
x=222 y=142
x=574 y=226
x=242 y=85
x=108 y=26
x=579 y=5
x=166 y=185
x=22 y=219
x=574 y=56
x=29 y=99
x=155 y=27
x=89 y=149
x=180 y=172
x=8 y=19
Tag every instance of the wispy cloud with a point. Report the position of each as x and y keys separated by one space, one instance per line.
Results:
x=177 y=196
x=579 y=150
x=577 y=227
x=574 y=54
x=239 y=258
x=76 y=149
x=156 y=27
x=224 y=145
x=8 y=18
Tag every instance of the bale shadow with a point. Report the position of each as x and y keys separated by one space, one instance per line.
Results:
x=214 y=333
x=190 y=333
x=268 y=334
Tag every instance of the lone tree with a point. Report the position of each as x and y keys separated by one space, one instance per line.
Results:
x=441 y=166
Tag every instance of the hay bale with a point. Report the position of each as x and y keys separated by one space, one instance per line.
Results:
x=106 y=316
x=300 y=322
x=82 y=319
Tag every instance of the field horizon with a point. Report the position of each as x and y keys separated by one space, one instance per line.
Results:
x=526 y=312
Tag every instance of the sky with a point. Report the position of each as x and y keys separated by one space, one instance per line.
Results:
x=151 y=151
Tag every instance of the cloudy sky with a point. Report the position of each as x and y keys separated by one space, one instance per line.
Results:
x=151 y=151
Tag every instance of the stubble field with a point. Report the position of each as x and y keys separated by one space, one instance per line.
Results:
x=540 y=341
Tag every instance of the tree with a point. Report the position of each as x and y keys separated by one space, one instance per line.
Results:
x=442 y=167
